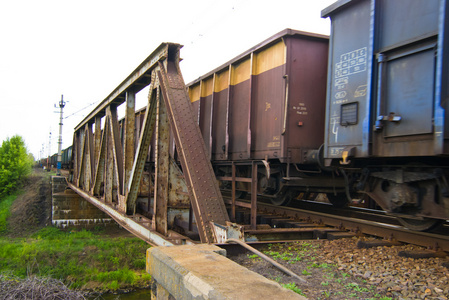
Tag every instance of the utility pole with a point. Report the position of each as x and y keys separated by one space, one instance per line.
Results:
x=49 y=153
x=61 y=107
x=41 y=160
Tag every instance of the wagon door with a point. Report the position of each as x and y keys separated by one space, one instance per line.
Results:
x=406 y=51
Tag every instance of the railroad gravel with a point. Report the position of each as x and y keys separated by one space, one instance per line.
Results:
x=340 y=270
x=397 y=276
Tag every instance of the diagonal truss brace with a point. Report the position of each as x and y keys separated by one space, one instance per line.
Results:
x=206 y=199
x=205 y=196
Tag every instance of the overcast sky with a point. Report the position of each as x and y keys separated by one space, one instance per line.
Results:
x=84 y=49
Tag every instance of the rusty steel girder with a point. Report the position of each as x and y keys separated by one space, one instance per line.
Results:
x=109 y=166
x=205 y=195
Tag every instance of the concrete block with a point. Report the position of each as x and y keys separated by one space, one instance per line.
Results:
x=202 y=272
x=71 y=210
x=58 y=184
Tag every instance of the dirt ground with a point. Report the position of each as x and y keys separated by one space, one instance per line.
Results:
x=31 y=210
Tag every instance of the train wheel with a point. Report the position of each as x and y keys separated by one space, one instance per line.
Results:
x=240 y=194
x=420 y=225
x=338 y=200
x=281 y=200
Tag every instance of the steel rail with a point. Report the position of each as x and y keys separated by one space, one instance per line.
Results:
x=383 y=230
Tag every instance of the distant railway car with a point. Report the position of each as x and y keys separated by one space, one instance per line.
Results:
x=387 y=104
x=53 y=160
x=268 y=105
x=66 y=157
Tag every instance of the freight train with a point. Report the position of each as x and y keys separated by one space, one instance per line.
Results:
x=357 y=115
x=268 y=105
x=361 y=115
x=52 y=161
x=387 y=104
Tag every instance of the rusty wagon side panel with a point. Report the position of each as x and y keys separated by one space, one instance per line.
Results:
x=268 y=102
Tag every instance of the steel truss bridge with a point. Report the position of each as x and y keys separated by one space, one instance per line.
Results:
x=113 y=164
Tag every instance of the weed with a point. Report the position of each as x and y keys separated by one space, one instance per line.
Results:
x=145 y=277
x=305 y=272
x=139 y=263
x=355 y=287
x=306 y=245
x=113 y=285
x=5 y=204
x=351 y=285
x=115 y=260
x=292 y=286
x=324 y=266
x=253 y=256
x=49 y=233
x=326 y=294
x=286 y=256
x=120 y=275
x=325 y=283
x=75 y=257
x=298 y=258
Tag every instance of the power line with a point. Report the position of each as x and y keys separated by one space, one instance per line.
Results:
x=93 y=103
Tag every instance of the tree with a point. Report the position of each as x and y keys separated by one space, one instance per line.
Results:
x=15 y=164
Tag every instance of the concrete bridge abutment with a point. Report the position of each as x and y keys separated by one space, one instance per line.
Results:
x=202 y=271
x=71 y=210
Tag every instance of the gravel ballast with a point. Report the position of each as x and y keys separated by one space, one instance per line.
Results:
x=339 y=269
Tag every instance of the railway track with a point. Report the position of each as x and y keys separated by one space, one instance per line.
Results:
x=290 y=222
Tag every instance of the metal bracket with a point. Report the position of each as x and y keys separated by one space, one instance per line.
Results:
x=392 y=117
x=228 y=231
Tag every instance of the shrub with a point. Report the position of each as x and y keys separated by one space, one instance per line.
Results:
x=15 y=164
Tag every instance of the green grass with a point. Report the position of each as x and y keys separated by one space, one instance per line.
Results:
x=292 y=286
x=5 y=205
x=76 y=258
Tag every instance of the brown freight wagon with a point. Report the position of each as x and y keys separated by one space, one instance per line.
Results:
x=267 y=107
